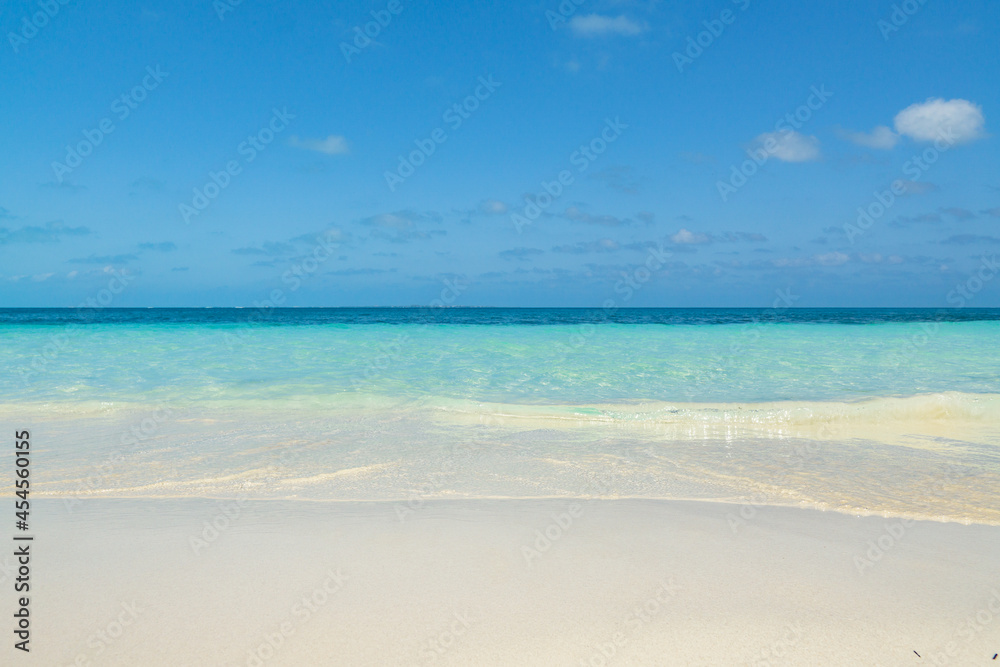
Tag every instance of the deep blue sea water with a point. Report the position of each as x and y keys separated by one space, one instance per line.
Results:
x=490 y=316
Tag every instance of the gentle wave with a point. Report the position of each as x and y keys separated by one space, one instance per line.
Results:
x=923 y=407
x=927 y=455
x=943 y=407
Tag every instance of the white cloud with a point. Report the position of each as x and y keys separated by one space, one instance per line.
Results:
x=684 y=236
x=928 y=121
x=832 y=258
x=595 y=25
x=789 y=146
x=881 y=137
x=332 y=145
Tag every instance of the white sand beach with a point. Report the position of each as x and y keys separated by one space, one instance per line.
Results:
x=559 y=582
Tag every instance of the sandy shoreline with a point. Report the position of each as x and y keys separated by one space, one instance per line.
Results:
x=558 y=582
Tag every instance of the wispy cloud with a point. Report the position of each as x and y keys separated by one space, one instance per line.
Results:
x=602 y=245
x=832 y=258
x=105 y=259
x=596 y=25
x=904 y=220
x=520 y=253
x=789 y=146
x=686 y=237
x=881 y=137
x=147 y=184
x=879 y=258
x=959 y=213
x=492 y=207
x=328 y=235
x=618 y=178
x=332 y=145
x=403 y=219
x=359 y=272
x=51 y=232
x=696 y=158
x=403 y=226
x=574 y=214
x=969 y=239
x=64 y=185
x=165 y=246
x=743 y=237
x=916 y=187
x=268 y=248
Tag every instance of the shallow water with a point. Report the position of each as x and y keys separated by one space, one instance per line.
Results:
x=892 y=412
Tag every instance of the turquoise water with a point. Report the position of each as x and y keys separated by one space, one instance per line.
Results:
x=514 y=363
x=898 y=410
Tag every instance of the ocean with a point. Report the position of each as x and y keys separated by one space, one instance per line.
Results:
x=894 y=412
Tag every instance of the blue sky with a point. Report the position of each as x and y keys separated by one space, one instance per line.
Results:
x=264 y=150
